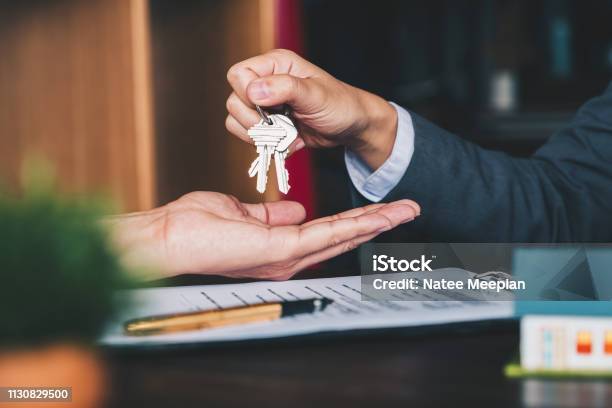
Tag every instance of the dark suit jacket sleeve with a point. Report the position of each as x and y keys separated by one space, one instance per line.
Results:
x=469 y=194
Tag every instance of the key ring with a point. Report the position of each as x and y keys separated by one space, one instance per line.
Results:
x=266 y=118
x=263 y=115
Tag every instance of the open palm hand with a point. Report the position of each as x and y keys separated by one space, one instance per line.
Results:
x=213 y=233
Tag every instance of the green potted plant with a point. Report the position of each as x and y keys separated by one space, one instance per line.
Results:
x=58 y=276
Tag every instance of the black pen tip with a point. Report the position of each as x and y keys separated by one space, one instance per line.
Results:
x=324 y=303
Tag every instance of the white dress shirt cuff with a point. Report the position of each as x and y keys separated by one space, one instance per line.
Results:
x=376 y=185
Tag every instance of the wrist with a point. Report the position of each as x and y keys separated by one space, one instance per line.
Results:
x=374 y=143
x=140 y=241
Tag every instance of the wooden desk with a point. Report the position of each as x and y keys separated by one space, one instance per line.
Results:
x=440 y=369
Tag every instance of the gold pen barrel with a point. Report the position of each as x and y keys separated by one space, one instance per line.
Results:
x=204 y=319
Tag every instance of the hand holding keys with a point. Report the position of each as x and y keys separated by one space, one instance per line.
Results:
x=272 y=136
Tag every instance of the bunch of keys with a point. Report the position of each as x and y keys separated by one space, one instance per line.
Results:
x=272 y=136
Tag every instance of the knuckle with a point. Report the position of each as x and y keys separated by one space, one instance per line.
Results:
x=283 y=52
x=231 y=200
x=231 y=103
x=335 y=217
x=228 y=121
x=232 y=73
x=334 y=240
x=288 y=85
x=350 y=245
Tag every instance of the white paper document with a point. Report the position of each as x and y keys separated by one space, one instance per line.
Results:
x=348 y=312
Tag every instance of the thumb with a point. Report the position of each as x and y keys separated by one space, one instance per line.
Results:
x=277 y=212
x=302 y=94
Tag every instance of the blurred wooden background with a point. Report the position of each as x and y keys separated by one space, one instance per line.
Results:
x=127 y=96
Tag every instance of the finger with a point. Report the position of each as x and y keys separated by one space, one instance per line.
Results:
x=297 y=145
x=235 y=128
x=405 y=202
x=302 y=94
x=277 y=213
x=317 y=237
x=246 y=116
x=340 y=248
x=353 y=212
x=415 y=205
x=243 y=73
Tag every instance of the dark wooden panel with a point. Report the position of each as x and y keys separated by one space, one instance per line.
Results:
x=73 y=89
x=194 y=43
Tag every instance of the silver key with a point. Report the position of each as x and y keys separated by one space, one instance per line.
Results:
x=282 y=149
x=266 y=137
x=282 y=175
x=291 y=132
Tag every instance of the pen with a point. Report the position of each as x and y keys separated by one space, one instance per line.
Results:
x=208 y=319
